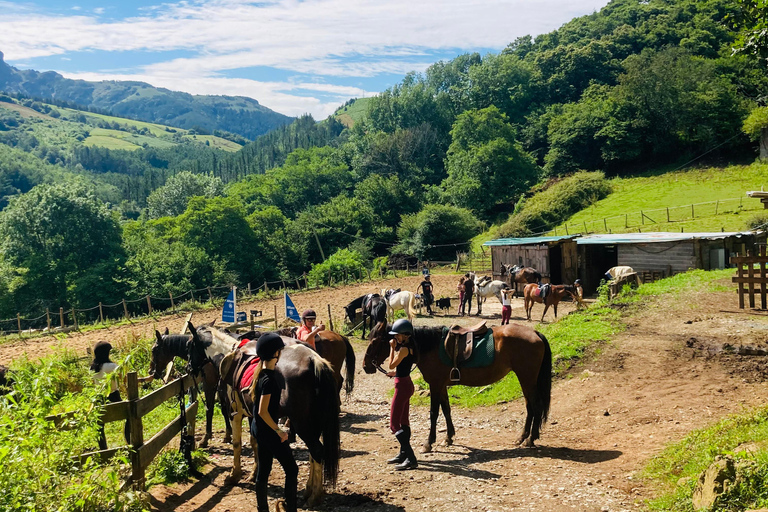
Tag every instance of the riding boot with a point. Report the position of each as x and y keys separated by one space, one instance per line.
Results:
x=410 y=461
x=262 y=502
x=290 y=498
x=400 y=457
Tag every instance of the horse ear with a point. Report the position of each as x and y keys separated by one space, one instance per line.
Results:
x=167 y=332
x=158 y=336
x=192 y=329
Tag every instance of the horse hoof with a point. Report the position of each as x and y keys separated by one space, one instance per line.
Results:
x=427 y=448
x=228 y=439
x=527 y=443
x=232 y=479
x=448 y=442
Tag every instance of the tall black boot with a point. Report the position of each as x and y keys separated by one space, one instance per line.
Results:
x=400 y=457
x=262 y=503
x=410 y=461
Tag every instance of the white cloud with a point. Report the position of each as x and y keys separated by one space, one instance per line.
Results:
x=320 y=38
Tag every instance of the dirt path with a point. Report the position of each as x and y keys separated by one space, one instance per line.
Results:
x=653 y=384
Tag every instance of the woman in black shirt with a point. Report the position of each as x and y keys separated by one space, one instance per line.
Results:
x=402 y=357
x=272 y=441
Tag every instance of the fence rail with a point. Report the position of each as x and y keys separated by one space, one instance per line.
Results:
x=748 y=277
x=132 y=410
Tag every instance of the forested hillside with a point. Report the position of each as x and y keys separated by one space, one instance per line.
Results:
x=139 y=100
x=633 y=87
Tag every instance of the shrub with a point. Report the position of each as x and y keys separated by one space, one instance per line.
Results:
x=340 y=266
x=758 y=221
x=556 y=204
x=436 y=232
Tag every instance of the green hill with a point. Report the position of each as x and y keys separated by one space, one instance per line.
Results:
x=139 y=100
x=352 y=111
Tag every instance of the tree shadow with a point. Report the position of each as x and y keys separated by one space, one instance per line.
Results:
x=354 y=501
x=204 y=482
x=348 y=422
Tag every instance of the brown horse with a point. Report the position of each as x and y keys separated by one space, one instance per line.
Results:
x=520 y=275
x=555 y=295
x=519 y=349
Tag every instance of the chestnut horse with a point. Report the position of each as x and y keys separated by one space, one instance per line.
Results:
x=521 y=275
x=555 y=295
x=519 y=349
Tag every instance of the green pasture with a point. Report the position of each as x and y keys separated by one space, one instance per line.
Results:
x=645 y=202
x=354 y=113
x=157 y=130
x=214 y=142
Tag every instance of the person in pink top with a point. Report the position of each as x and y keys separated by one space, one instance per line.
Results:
x=308 y=329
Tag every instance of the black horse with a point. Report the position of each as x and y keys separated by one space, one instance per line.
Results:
x=169 y=346
x=374 y=310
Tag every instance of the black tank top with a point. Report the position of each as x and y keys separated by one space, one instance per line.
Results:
x=406 y=365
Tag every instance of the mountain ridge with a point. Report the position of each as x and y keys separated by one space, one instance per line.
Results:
x=237 y=114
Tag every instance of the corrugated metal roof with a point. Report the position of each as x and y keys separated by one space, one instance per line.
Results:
x=644 y=238
x=529 y=241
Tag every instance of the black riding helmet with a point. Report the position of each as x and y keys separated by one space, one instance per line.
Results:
x=308 y=313
x=268 y=344
x=101 y=350
x=402 y=326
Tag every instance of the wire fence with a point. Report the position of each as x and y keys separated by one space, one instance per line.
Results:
x=655 y=217
x=64 y=320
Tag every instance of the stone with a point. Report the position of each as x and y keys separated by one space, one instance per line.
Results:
x=713 y=482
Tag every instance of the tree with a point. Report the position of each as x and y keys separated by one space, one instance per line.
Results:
x=171 y=199
x=63 y=246
x=752 y=23
x=436 y=232
x=486 y=166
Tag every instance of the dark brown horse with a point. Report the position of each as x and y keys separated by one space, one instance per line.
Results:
x=554 y=296
x=308 y=399
x=519 y=349
x=169 y=346
x=520 y=275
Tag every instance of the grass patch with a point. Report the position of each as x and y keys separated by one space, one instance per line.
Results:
x=353 y=112
x=676 y=469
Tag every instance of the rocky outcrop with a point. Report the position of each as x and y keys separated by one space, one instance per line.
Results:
x=714 y=482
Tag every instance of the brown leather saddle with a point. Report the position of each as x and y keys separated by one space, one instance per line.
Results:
x=232 y=368
x=459 y=344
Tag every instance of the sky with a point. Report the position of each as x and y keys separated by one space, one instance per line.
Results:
x=293 y=56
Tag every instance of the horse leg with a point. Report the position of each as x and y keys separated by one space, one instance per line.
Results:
x=434 y=412
x=255 y=448
x=237 y=427
x=225 y=411
x=554 y=306
x=210 y=406
x=546 y=307
x=445 y=404
x=525 y=439
x=479 y=305
x=314 y=491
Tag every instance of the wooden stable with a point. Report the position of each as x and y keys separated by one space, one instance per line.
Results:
x=554 y=257
x=749 y=278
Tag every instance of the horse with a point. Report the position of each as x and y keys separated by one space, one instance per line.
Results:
x=556 y=294
x=169 y=346
x=401 y=300
x=374 y=309
x=519 y=349
x=308 y=400
x=486 y=287
x=521 y=275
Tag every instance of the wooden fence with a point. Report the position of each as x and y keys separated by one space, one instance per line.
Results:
x=133 y=409
x=748 y=277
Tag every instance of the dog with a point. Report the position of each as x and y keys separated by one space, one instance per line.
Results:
x=444 y=303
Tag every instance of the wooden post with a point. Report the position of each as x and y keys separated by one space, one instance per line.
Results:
x=741 y=285
x=266 y=288
x=192 y=295
x=330 y=320
x=566 y=229
x=249 y=291
x=585 y=227
x=210 y=295
x=667 y=213
x=61 y=317
x=750 y=285
x=298 y=286
x=137 y=430
x=101 y=312
x=626 y=220
x=762 y=278
x=125 y=310
x=605 y=225
x=276 y=327
x=642 y=217
x=717 y=206
x=283 y=285
x=18 y=322
x=74 y=318
x=173 y=306
x=48 y=318
x=149 y=306
x=693 y=214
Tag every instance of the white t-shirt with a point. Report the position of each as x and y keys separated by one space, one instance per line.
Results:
x=505 y=299
x=106 y=369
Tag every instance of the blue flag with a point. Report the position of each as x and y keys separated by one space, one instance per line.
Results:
x=290 y=309
x=228 y=312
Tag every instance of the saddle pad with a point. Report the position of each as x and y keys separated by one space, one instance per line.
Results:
x=483 y=353
x=247 y=378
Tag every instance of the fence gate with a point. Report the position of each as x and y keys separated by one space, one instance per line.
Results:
x=748 y=277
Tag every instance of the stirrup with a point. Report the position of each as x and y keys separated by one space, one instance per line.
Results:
x=455 y=375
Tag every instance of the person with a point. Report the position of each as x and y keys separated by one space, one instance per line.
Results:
x=402 y=357
x=427 y=289
x=103 y=368
x=460 y=288
x=469 y=290
x=272 y=440
x=506 y=305
x=308 y=329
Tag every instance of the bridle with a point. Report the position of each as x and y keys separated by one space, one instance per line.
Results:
x=373 y=361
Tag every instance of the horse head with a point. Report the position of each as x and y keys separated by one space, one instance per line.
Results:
x=159 y=358
x=378 y=348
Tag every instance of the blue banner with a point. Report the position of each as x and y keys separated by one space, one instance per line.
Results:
x=228 y=312
x=290 y=309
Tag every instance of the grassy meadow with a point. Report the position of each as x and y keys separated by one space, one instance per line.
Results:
x=348 y=115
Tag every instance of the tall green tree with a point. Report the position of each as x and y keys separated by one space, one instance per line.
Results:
x=436 y=232
x=171 y=199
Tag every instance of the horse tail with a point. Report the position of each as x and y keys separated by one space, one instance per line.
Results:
x=411 y=311
x=349 y=362
x=544 y=383
x=537 y=276
x=328 y=401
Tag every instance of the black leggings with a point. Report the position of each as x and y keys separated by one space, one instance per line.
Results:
x=274 y=449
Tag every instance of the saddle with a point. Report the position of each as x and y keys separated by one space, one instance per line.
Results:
x=459 y=345
x=236 y=364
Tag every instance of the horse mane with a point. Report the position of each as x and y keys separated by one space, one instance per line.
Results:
x=176 y=344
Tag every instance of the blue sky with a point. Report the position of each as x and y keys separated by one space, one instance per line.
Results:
x=294 y=56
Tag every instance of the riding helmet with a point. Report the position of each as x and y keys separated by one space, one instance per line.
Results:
x=308 y=313
x=102 y=348
x=402 y=326
x=268 y=344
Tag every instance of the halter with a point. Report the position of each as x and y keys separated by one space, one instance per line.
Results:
x=375 y=363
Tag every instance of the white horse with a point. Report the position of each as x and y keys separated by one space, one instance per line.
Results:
x=400 y=300
x=486 y=287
